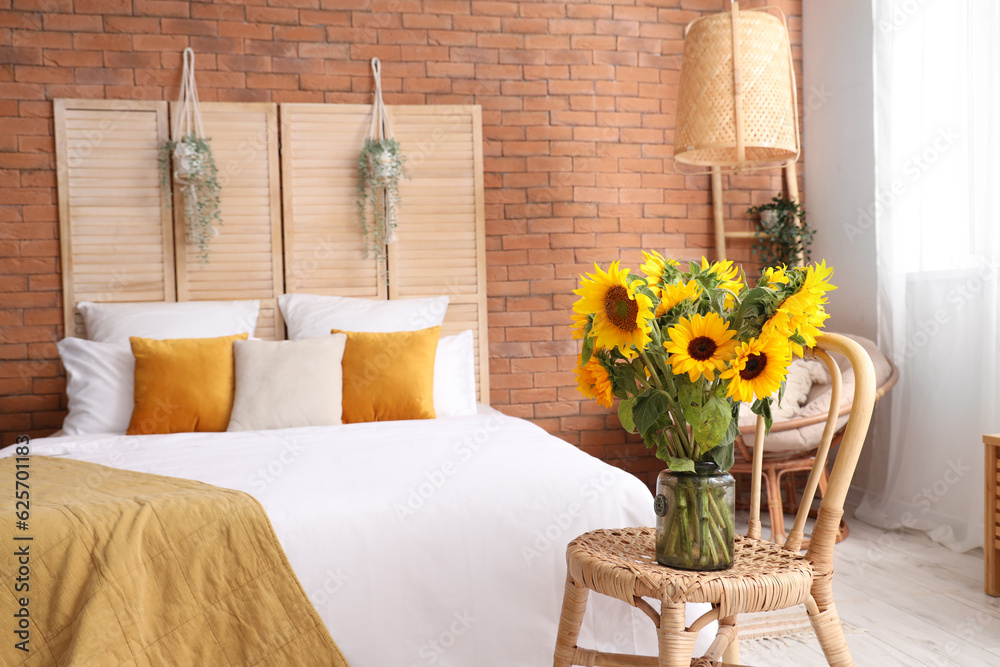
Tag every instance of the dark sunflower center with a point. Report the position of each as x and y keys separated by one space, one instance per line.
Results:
x=756 y=363
x=621 y=310
x=702 y=348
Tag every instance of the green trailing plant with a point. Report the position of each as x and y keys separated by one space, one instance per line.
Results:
x=194 y=169
x=783 y=233
x=381 y=166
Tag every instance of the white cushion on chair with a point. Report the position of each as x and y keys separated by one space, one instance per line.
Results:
x=815 y=400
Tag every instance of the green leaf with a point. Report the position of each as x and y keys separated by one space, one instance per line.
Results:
x=711 y=423
x=724 y=456
x=688 y=393
x=732 y=432
x=679 y=465
x=625 y=414
x=588 y=349
x=649 y=407
x=762 y=407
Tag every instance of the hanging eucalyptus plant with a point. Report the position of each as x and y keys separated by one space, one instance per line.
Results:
x=783 y=234
x=381 y=165
x=195 y=171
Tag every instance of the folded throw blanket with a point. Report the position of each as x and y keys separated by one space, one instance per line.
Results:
x=113 y=567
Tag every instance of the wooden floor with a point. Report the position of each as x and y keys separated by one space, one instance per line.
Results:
x=920 y=604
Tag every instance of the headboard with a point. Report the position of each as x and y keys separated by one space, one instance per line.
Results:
x=289 y=183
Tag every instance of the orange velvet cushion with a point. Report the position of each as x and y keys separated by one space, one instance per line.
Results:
x=389 y=376
x=182 y=385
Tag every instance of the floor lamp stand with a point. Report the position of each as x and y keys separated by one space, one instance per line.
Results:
x=791 y=182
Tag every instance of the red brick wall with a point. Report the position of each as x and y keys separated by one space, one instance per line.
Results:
x=578 y=109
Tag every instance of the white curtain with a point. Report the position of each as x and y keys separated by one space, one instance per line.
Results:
x=937 y=216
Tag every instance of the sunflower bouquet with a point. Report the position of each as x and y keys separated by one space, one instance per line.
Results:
x=682 y=349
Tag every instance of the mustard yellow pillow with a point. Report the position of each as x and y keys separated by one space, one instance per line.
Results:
x=389 y=376
x=182 y=385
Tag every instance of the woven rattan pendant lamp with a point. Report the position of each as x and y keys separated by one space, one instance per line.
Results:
x=736 y=107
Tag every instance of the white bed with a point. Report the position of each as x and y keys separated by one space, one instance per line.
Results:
x=432 y=542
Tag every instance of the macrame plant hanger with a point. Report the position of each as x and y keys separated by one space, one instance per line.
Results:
x=187 y=122
x=193 y=165
x=381 y=129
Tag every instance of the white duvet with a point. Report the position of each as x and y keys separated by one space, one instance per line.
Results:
x=437 y=542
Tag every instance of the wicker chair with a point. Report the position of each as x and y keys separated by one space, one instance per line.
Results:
x=764 y=576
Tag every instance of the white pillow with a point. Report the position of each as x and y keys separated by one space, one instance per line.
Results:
x=115 y=322
x=310 y=315
x=99 y=385
x=281 y=384
x=455 y=376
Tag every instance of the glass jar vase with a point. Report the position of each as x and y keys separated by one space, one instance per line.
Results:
x=694 y=518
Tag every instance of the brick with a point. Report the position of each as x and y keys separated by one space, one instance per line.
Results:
x=102 y=42
x=21 y=55
x=272 y=15
x=176 y=8
x=218 y=11
x=53 y=58
x=324 y=17
x=28 y=74
x=20 y=20
x=73 y=23
x=299 y=33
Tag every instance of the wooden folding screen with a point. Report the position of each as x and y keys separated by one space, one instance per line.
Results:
x=441 y=228
x=245 y=259
x=293 y=229
x=115 y=229
x=441 y=247
x=324 y=247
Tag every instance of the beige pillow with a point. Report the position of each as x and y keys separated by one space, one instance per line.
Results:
x=281 y=384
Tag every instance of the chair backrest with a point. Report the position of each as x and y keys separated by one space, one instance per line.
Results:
x=824 y=532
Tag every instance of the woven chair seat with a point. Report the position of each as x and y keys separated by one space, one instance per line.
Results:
x=621 y=563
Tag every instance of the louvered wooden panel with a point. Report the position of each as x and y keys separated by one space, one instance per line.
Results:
x=991 y=537
x=114 y=226
x=245 y=259
x=323 y=242
x=441 y=246
x=996 y=494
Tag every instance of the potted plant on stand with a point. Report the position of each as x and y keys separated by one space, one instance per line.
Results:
x=681 y=349
x=193 y=165
x=783 y=235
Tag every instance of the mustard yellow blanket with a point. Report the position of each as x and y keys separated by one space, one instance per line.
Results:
x=110 y=567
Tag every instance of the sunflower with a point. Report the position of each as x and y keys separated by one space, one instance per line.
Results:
x=580 y=323
x=594 y=381
x=655 y=268
x=621 y=313
x=802 y=313
x=728 y=276
x=671 y=295
x=759 y=368
x=775 y=276
x=700 y=346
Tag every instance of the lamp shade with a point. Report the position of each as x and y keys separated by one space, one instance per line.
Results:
x=736 y=105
